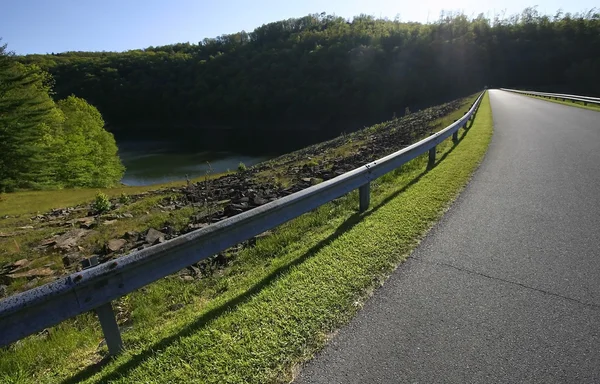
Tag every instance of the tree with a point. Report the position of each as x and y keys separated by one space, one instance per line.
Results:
x=325 y=73
x=49 y=145
x=24 y=106
x=87 y=152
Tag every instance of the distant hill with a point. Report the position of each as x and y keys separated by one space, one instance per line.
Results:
x=327 y=73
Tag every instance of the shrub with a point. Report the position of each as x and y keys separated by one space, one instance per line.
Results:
x=101 y=203
x=124 y=198
x=242 y=167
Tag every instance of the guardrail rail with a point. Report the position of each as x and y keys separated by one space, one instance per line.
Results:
x=573 y=98
x=94 y=288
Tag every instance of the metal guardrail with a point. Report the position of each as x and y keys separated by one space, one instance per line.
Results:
x=573 y=98
x=94 y=288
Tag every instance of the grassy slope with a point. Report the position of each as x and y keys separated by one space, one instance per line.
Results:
x=32 y=202
x=579 y=104
x=275 y=306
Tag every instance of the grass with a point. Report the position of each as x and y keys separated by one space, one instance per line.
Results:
x=276 y=303
x=578 y=104
x=31 y=202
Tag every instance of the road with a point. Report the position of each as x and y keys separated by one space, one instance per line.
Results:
x=506 y=287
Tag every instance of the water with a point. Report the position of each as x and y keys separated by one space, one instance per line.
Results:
x=155 y=162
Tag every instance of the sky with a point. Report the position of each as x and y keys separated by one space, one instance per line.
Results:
x=46 y=26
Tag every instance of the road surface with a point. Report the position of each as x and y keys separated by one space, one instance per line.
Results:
x=506 y=287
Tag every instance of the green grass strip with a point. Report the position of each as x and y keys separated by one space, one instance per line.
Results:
x=278 y=303
x=578 y=104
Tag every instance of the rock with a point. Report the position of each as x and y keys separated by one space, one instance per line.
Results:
x=48 y=242
x=175 y=307
x=68 y=240
x=259 y=200
x=71 y=259
x=86 y=222
x=20 y=263
x=115 y=245
x=31 y=283
x=131 y=235
x=233 y=209
x=195 y=271
x=10 y=234
x=244 y=199
x=109 y=222
x=200 y=216
x=252 y=241
x=197 y=226
x=3 y=290
x=127 y=215
x=44 y=334
x=26 y=227
x=154 y=237
x=186 y=278
x=32 y=273
x=306 y=179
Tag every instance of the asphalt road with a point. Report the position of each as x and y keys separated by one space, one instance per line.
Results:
x=506 y=288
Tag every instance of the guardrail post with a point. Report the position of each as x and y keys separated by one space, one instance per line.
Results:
x=455 y=137
x=364 y=195
x=431 y=161
x=108 y=320
x=112 y=335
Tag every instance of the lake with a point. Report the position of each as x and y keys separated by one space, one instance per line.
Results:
x=155 y=162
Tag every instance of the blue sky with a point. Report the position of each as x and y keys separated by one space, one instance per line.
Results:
x=44 y=26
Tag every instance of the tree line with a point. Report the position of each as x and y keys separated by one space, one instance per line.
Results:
x=322 y=73
x=48 y=144
x=286 y=84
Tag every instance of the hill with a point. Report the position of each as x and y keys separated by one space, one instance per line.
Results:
x=324 y=75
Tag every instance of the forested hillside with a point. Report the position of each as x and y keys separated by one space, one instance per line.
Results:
x=326 y=73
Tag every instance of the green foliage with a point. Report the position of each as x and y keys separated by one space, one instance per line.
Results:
x=101 y=204
x=241 y=167
x=45 y=144
x=326 y=72
x=24 y=107
x=124 y=198
x=88 y=152
x=312 y=163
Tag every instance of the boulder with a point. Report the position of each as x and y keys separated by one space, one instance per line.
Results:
x=259 y=200
x=68 y=240
x=115 y=245
x=71 y=259
x=86 y=222
x=154 y=237
x=131 y=235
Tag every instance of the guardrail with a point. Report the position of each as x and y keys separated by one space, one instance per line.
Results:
x=573 y=98
x=94 y=288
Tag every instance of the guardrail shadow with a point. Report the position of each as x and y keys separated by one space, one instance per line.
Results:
x=347 y=225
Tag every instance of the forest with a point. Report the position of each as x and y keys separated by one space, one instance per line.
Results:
x=321 y=75
x=285 y=85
